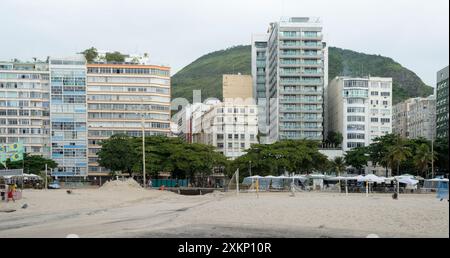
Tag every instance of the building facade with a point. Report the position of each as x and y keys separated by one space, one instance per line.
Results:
x=295 y=78
x=414 y=118
x=237 y=86
x=121 y=99
x=25 y=107
x=68 y=116
x=230 y=127
x=361 y=110
x=442 y=104
x=400 y=118
x=188 y=119
x=259 y=64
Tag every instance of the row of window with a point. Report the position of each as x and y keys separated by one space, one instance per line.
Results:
x=68 y=125
x=355 y=144
x=230 y=145
x=149 y=125
x=95 y=115
x=100 y=79
x=24 y=94
x=235 y=136
x=24 y=76
x=25 y=140
x=68 y=99
x=376 y=102
x=355 y=110
x=24 y=85
x=19 y=131
x=23 y=103
x=300 y=135
x=159 y=90
x=382 y=120
x=34 y=122
x=236 y=110
x=109 y=133
x=359 y=136
x=115 y=70
x=15 y=112
x=145 y=98
x=128 y=107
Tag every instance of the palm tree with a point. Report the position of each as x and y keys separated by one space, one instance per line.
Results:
x=397 y=153
x=422 y=158
x=338 y=165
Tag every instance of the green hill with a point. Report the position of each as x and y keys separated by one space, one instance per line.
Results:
x=205 y=73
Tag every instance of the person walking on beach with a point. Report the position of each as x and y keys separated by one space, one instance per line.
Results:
x=11 y=190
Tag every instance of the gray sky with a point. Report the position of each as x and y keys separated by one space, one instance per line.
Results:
x=176 y=32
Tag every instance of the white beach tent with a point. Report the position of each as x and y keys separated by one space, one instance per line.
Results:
x=343 y=178
x=371 y=178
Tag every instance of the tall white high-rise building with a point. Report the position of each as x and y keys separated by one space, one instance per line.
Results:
x=68 y=115
x=289 y=68
x=24 y=106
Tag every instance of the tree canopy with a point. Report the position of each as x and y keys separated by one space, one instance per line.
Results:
x=32 y=164
x=90 y=54
x=162 y=154
x=299 y=156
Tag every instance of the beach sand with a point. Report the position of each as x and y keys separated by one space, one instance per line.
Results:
x=129 y=211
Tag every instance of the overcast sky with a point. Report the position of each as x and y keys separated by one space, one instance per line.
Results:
x=176 y=32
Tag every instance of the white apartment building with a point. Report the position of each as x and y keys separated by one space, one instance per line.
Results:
x=122 y=97
x=187 y=119
x=290 y=68
x=361 y=110
x=415 y=117
x=24 y=106
x=230 y=127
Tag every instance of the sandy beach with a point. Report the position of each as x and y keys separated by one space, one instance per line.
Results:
x=125 y=211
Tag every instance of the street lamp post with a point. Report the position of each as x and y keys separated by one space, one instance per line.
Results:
x=432 y=155
x=143 y=148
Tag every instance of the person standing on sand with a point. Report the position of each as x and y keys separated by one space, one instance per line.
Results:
x=150 y=184
x=11 y=190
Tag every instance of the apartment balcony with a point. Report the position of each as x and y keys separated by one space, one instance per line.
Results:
x=301 y=82
x=301 y=55
x=300 y=118
x=301 y=110
x=298 y=127
x=300 y=100
x=301 y=73
x=300 y=45
x=300 y=64
x=303 y=92
x=261 y=63
x=318 y=37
